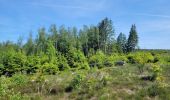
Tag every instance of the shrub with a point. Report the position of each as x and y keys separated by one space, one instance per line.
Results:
x=76 y=59
x=156 y=90
x=19 y=79
x=13 y=62
x=33 y=63
x=4 y=84
x=97 y=60
x=62 y=63
x=6 y=90
x=2 y=68
x=110 y=60
x=140 y=57
x=156 y=70
x=164 y=59
x=76 y=82
x=49 y=68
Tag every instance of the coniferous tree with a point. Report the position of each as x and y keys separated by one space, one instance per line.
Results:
x=106 y=33
x=54 y=35
x=83 y=37
x=93 y=38
x=132 y=40
x=63 y=43
x=29 y=46
x=41 y=40
x=121 y=43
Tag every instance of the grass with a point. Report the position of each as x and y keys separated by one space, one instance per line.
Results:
x=121 y=82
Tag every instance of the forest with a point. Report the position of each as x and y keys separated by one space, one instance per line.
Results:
x=63 y=63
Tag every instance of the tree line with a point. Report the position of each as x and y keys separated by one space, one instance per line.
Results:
x=63 y=48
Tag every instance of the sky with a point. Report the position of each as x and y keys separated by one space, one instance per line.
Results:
x=152 y=17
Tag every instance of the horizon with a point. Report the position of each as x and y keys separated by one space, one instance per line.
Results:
x=20 y=17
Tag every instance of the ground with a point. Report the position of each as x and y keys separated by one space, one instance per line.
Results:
x=117 y=82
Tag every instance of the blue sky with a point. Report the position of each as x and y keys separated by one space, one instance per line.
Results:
x=152 y=17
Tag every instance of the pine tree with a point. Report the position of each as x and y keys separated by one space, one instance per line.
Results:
x=29 y=46
x=83 y=38
x=132 y=40
x=93 y=38
x=106 y=33
x=54 y=35
x=121 y=43
x=41 y=40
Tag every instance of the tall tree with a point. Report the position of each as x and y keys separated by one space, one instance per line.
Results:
x=83 y=38
x=29 y=46
x=93 y=38
x=63 y=44
x=54 y=35
x=133 y=39
x=106 y=33
x=41 y=41
x=72 y=33
x=20 y=42
x=121 y=43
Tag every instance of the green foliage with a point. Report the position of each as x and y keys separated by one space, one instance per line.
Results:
x=63 y=43
x=106 y=33
x=18 y=96
x=62 y=63
x=4 y=82
x=61 y=49
x=157 y=73
x=29 y=47
x=77 y=59
x=155 y=90
x=121 y=43
x=49 y=64
x=19 y=79
x=97 y=60
x=93 y=38
x=132 y=40
x=33 y=63
x=110 y=60
x=13 y=62
x=49 y=68
x=156 y=58
x=140 y=57
x=60 y=54
x=6 y=92
x=76 y=82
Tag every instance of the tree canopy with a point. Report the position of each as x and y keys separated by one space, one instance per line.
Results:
x=59 y=49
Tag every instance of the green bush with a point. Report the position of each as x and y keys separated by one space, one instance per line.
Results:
x=19 y=79
x=156 y=90
x=164 y=59
x=97 y=60
x=76 y=82
x=156 y=70
x=156 y=58
x=49 y=68
x=6 y=90
x=140 y=57
x=13 y=62
x=76 y=59
x=49 y=65
x=110 y=60
x=4 y=84
x=62 y=63
x=33 y=63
